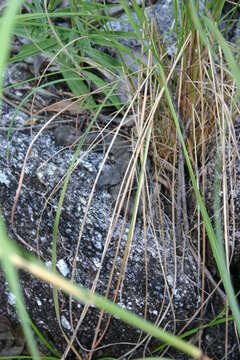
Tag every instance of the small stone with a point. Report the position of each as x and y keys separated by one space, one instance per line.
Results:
x=62 y=267
x=65 y=323
x=65 y=135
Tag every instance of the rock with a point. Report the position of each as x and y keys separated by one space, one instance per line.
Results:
x=100 y=142
x=11 y=338
x=162 y=15
x=169 y=289
x=97 y=140
x=66 y=135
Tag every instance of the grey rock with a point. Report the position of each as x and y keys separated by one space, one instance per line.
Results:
x=162 y=16
x=99 y=141
x=66 y=135
x=45 y=168
x=110 y=176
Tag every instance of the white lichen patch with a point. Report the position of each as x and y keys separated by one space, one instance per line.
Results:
x=48 y=171
x=96 y=262
x=62 y=267
x=11 y=299
x=87 y=165
x=170 y=280
x=10 y=296
x=39 y=301
x=3 y=179
x=65 y=323
x=27 y=292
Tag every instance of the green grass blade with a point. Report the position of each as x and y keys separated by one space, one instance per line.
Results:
x=101 y=84
x=25 y=357
x=18 y=108
x=216 y=8
x=211 y=235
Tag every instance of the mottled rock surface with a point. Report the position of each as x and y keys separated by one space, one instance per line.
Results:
x=162 y=16
x=34 y=219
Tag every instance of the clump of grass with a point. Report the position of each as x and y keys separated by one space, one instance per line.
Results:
x=177 y=107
